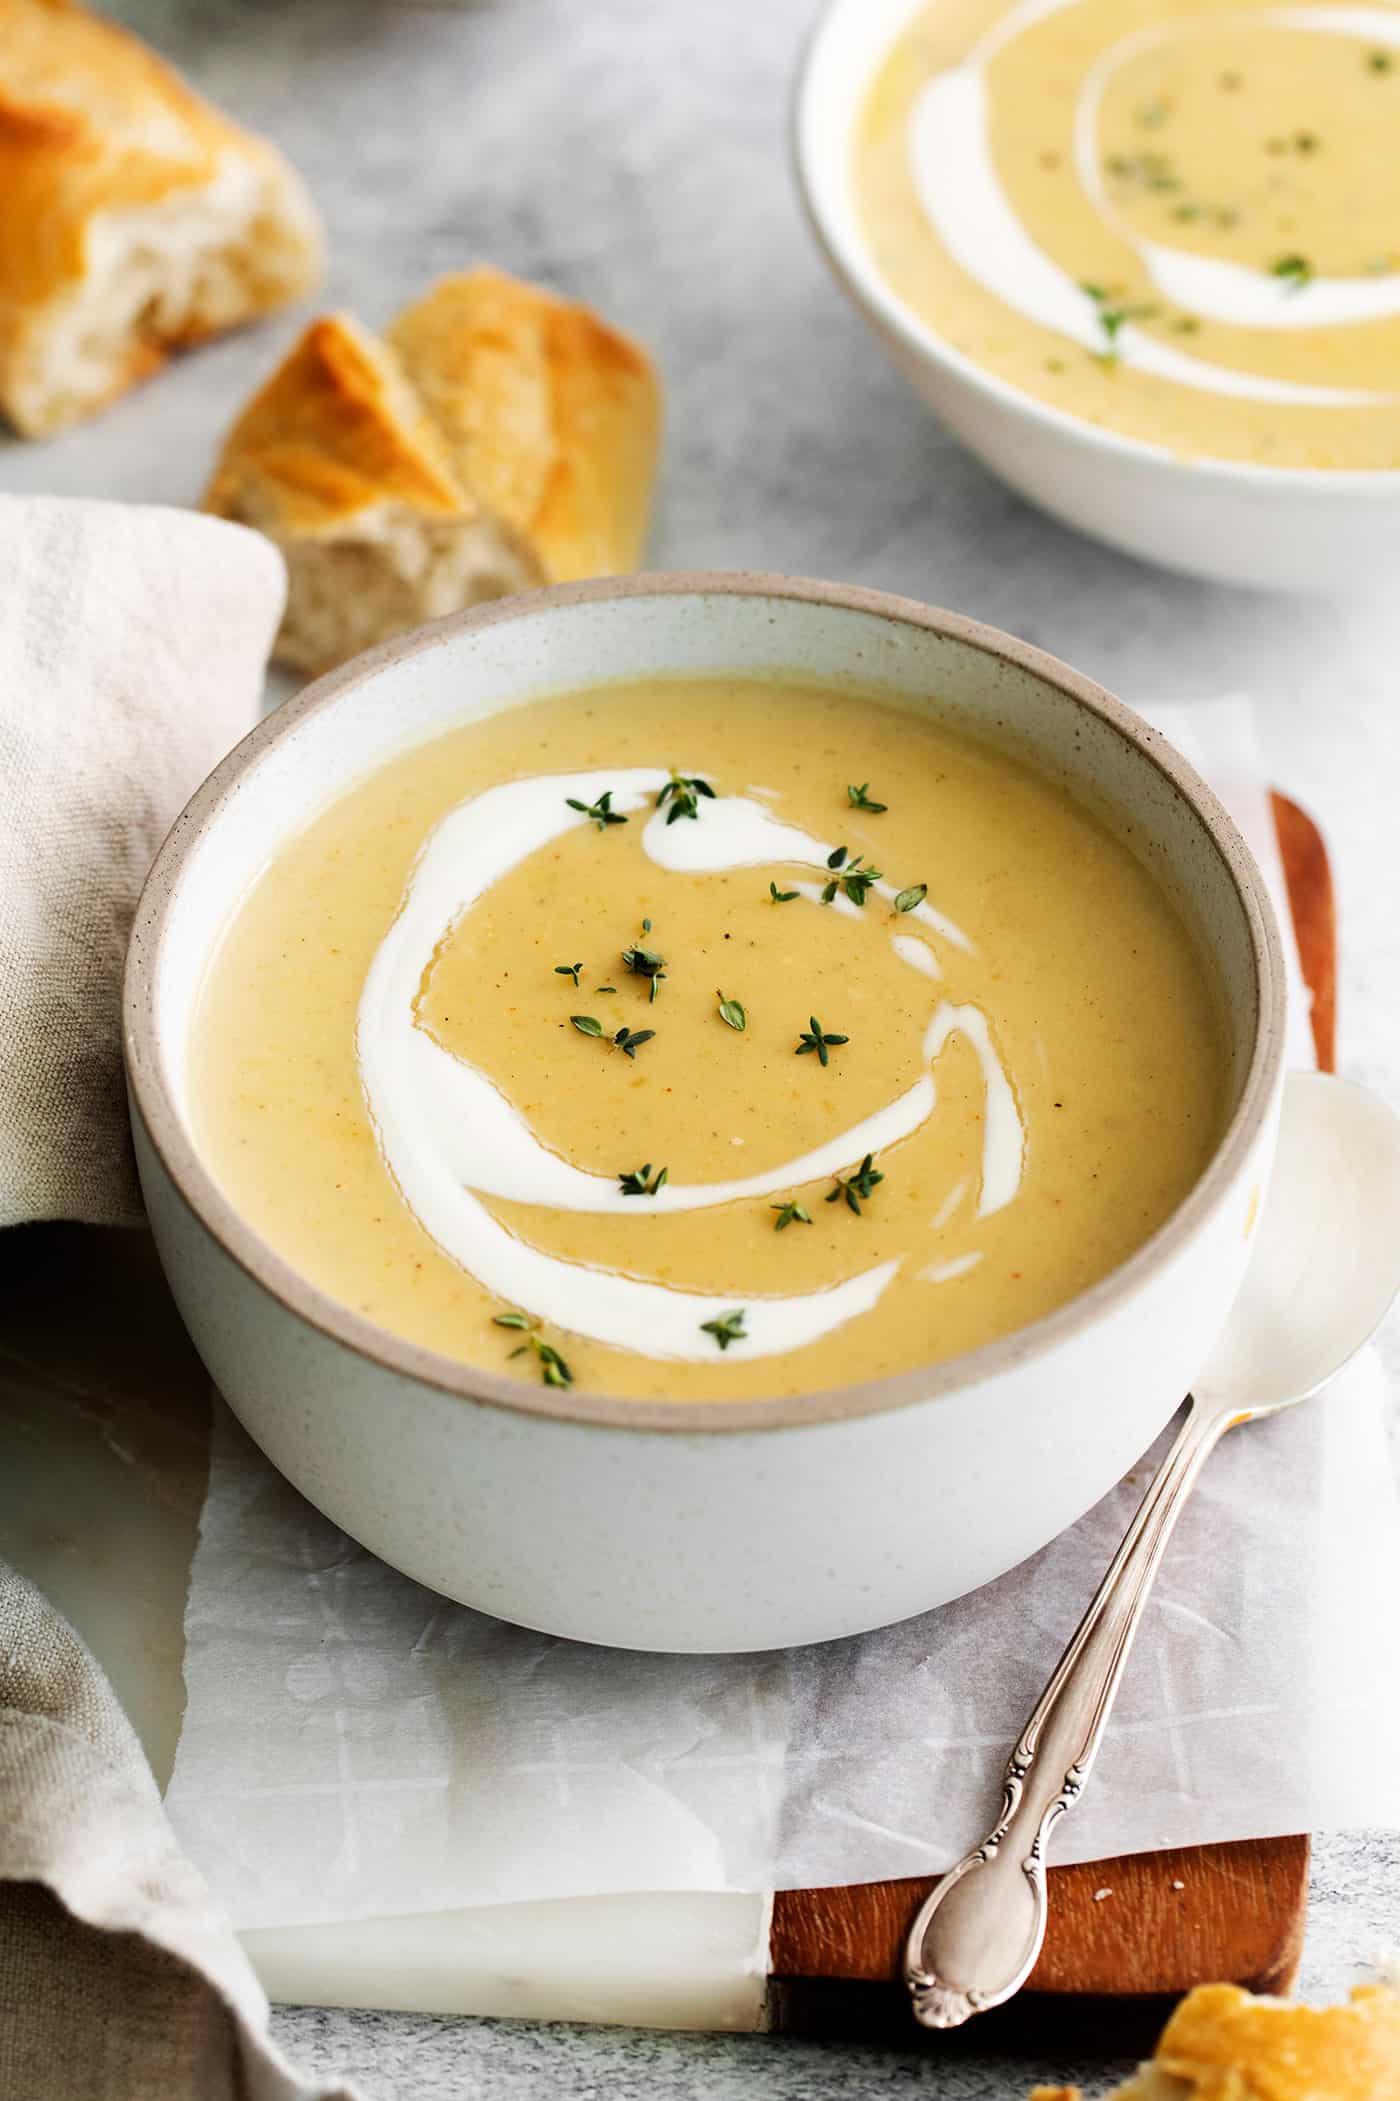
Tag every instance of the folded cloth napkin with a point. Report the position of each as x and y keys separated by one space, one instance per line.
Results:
x=133 y=643
x=120 y=1978
x=132 y=650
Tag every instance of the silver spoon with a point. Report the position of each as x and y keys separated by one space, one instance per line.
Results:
x=1325 y=1266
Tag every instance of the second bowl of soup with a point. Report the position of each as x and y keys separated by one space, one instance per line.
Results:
x=704 y=1113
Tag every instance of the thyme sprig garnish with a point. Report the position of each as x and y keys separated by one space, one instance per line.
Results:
x=854 y=879
x=731 y=1011
x=909 y=900
x=854 y=1187
x=553 y=1370
x=726 y=1328
x=1295 y=270
x=568 y=970
x=860 y=800
x=781 y=897
x=600 y=813
x=635 y=1182
x=787 y=1213
x=631 y=1040
x=646 y=963
x=1113 y=316
x=587 y=1024
x=682 y=793
x=819 y=1040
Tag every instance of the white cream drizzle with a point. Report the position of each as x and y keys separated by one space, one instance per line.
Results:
x=448 y=1135
x=962 y=197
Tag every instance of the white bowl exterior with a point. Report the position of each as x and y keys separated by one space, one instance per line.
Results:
x=703 y=1542
x=735 y=1538
x=1277 y=528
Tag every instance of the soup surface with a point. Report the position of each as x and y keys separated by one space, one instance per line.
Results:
x=857 y=1043
x=1181 y=222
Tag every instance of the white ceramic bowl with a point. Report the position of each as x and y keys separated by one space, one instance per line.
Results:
x=693 y=1526
x=1284 y=528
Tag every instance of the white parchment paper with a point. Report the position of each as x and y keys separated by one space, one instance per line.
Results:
x=354 y=1746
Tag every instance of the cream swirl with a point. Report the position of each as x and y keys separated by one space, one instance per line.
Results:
x=449 y=1136
x=962 y=197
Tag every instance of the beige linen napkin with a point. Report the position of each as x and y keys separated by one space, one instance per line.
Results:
x=132 y=651
x=133 y=643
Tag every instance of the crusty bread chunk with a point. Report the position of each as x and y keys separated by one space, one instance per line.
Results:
x=338 y=461
x=550 y=417
x=1223 y=2045
x=499 y=438
x=134 y=219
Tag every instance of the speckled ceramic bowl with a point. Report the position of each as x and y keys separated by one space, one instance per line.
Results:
x=1297 y=529
x=697 y=1526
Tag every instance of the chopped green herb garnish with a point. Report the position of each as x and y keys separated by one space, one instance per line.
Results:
x=729 y=1327
x=1186 y=325
x=635 y=1182
x=854 y=1187
x=586 y=1024
x=605 y=988
x=852 y=878
x=1153 y=113
x=553 y=1370
x=788 y=1212
x=645 y=962
x=568 y=970
x=857 y=880
x=1112 y=317
x=731 y=1011
x=600 y=813
x=1380 y=61
x=859 y=800
x=781 y=897
x=631 y=1040
x=682 y=792
x=1295 y=269
x=909 y=900
x=818 y=1039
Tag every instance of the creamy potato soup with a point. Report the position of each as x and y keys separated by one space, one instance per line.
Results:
x=845 y=1045
x=1180 y=222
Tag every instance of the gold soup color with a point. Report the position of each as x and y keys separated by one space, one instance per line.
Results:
x=1233 y=138
x=1102 y=1011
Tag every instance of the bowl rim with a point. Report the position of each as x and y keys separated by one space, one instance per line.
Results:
x=856 y=270
x=146 y=1051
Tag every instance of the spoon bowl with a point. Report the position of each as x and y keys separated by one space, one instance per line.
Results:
x=1326 y=1258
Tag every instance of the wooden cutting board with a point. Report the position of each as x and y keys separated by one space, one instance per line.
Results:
x=1109 y=1971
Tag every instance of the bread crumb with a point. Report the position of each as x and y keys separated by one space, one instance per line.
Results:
x=1100 y=1894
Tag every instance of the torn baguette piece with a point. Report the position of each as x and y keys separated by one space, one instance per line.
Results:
x=1221 y=2044
x=337 y=460
x=135 y=219
x=500 y=438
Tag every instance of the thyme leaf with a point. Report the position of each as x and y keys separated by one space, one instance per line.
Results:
x=553 y=1370
x=635 y=1182
x=600 y=813
x=568 y=970
x=730 y=1010
x=726 y=1328
x=787 y=1213
x=854 y=1187
x=818 y=1039
x=587 y=1024
x=860 y=800
x=909 y=900
x=682 y=792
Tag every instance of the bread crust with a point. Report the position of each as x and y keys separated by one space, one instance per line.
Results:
x=102 y=144
x=551 y=417
x=1222 y=2044
x=500 y=437
x=335 y=432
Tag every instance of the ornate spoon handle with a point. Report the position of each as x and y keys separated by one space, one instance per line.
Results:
x=976 y=1938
